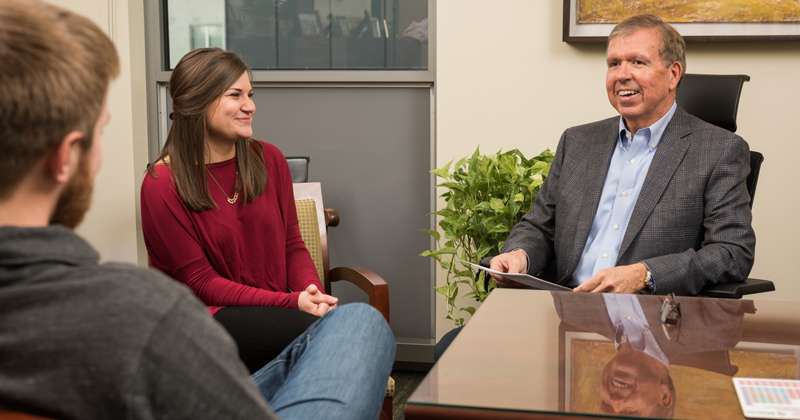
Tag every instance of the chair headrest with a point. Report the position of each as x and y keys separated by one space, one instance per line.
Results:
x=298 y=167
x=711 y=97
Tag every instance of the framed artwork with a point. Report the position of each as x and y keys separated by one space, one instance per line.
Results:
x=344 y=25
x=310 y=24
x=375 y=27
x=716 y=20
x=581 y=353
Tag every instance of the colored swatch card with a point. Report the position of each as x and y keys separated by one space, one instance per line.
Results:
x=768 y=398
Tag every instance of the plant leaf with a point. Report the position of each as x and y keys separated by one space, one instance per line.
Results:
x=483 y=250
x=500 y=229
x=441 y=173
x=451 y=185
x=497 y=204
x=436 y=235
x=482 y=206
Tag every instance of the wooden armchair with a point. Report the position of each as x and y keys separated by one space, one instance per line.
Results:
x=314 y=221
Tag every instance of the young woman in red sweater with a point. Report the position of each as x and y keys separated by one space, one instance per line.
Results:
x=218 y=212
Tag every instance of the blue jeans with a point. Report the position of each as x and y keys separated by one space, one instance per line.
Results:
x=337 y=369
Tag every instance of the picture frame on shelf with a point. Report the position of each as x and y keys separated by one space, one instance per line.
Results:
x=343 y=23
x=207 y=35
x=309 y=22
x=375 y=28
x=591 y=21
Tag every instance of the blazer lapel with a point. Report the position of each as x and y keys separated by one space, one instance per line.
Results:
x=596 y=170
x=669 y=154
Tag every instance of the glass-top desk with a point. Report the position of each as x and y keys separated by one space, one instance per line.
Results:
x=554 y=355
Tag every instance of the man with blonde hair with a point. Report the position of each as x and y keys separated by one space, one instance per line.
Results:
x=80 y=339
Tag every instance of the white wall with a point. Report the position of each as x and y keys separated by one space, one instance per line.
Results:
x=506 y=80
x=110 y=225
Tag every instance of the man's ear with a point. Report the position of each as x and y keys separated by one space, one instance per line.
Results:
x=64 y=160
x=676 y=73
x=666 y=396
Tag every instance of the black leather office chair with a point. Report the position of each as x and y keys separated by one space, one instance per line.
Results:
x=298 y=166
x=715 y=99
x=752 y=179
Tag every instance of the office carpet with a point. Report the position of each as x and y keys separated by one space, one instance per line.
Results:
x=405 y=382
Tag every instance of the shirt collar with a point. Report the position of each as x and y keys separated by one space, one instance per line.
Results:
x=656 y=130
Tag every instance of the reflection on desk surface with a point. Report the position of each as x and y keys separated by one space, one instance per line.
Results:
x=602 y=354
x=636 y=360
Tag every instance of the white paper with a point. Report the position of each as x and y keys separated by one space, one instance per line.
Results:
x=525 y=279
x=768 y=398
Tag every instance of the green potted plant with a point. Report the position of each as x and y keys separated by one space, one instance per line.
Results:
x=486 y=196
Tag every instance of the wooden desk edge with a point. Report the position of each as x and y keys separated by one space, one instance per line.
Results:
x=428 y=412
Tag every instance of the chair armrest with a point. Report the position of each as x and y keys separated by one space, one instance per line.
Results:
x=372 y=284
x=331 y=217
x=736 y=290
x=486 y=262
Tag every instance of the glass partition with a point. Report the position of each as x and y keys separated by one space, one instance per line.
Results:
x=304 y=34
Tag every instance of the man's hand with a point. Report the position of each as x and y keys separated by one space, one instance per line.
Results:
x=510 y=262
x=623 y=279
x=315 y=302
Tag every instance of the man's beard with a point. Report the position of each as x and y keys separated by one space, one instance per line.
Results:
x=74 y=201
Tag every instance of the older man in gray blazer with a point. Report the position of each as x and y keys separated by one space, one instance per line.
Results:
x=653 y=200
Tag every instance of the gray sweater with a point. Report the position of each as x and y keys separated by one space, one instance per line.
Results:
x=83 y=340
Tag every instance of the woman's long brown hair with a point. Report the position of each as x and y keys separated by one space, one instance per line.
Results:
x=199 y=79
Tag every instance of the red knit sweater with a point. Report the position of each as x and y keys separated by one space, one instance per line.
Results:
x=234 y=255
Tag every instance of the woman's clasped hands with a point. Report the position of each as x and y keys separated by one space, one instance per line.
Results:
x=315 y=302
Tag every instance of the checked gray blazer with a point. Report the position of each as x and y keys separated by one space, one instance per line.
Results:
x=690 y=225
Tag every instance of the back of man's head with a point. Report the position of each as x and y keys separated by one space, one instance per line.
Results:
x=55 y=72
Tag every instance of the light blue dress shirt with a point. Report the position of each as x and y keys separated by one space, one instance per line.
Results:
x=631 y=325
x=626 y=174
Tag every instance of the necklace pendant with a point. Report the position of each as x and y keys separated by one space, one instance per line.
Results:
x=235 y=193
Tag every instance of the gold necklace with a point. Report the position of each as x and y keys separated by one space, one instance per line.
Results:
x=235 y=193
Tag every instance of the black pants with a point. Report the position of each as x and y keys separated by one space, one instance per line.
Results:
x=262 y=332
x=444 y=343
